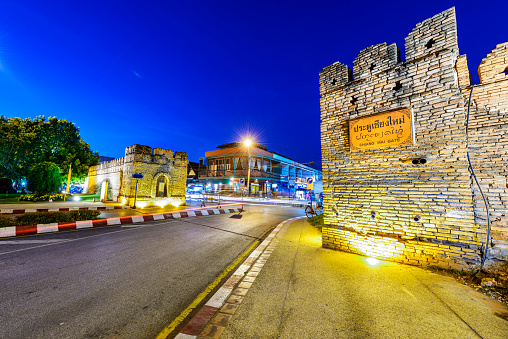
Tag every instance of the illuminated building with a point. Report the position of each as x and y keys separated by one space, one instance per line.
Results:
x=226 y=169
x=164 y=175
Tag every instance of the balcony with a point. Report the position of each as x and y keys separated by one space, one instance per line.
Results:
x=238 y=173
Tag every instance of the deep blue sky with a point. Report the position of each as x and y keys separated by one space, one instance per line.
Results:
x=190 y=75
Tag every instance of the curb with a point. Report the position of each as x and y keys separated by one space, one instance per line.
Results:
x=215 y=315
x=13 y=231
x=63 y=209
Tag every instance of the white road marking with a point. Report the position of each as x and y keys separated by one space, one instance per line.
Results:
x=29 y=242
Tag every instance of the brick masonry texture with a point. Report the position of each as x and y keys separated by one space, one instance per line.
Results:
x=156 y=165
x=377 y=202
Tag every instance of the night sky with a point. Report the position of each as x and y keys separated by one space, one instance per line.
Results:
x=191 y=75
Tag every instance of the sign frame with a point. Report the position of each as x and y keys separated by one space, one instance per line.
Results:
x=382 y=130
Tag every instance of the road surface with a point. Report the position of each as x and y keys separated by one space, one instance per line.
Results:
x=123 y=281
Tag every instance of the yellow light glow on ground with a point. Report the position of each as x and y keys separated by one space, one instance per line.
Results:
x=372 y=261
x=142 y=204
x=161 y=203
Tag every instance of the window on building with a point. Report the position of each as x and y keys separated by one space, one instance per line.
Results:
x=219 y=164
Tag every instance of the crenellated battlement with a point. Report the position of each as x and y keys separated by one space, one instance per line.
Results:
x=429 y=40
x=433 y=35
x=495 y=66
x=415 y=201
x=164 y=172
x=375 y=59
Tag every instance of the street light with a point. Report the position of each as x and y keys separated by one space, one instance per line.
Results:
x=247 y=144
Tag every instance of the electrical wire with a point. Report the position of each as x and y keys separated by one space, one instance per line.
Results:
x=476 y=179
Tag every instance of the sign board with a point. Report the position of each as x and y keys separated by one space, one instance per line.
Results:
x=310 y=183
x=382 y=130
x=242 y=181
x=137 y=176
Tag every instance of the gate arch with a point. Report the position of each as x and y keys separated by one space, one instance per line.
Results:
x=159 y=189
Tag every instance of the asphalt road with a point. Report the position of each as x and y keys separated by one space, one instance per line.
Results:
x=123 y=281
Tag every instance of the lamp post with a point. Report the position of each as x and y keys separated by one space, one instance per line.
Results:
x=247 y=144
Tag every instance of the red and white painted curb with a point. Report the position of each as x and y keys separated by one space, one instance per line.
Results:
x=13 y=231
x=214 y=316
x=62 y=209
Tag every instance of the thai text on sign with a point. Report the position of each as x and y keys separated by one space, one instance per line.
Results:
x=381 y=130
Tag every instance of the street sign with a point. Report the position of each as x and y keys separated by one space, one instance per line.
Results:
x=310 y=183
x=137 y=176
x=242 y=181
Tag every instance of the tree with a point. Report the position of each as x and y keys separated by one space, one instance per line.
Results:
x=25 y=142
x=44 y=177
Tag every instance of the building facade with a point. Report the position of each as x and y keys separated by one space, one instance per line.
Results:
x=394 y=135
x=227 y=169
x=163 y=183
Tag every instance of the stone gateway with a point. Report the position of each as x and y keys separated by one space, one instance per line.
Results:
x=416 y=201
x=164 y=177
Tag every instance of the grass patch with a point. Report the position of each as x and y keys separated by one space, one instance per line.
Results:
x=317 y=221
x=85 y=197
x=12 y=198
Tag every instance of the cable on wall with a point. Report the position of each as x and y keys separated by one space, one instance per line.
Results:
x=476 y=179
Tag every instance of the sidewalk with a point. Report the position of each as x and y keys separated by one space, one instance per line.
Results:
x=297 y=289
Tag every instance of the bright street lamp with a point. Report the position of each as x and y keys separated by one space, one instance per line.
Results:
x=247 y=144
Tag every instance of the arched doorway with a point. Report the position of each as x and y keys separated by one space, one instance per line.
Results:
x=161 y=186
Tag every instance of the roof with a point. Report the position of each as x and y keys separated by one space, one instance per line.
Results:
x=240 y=144
x=238 y=150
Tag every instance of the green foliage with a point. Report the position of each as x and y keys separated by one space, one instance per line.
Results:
x=5 y=185
x=317 y=221
x=55 y=217
x=44 y=197
x=5 y=221
x=24 y=142
x=44 y=177
x=84 y=215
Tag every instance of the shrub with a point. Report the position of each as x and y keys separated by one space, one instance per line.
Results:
x=26 y=197
x=317 y=221
x=38 y=197
x=84 y=215
x=55 y=217
x=5 y=221
x=44 y=177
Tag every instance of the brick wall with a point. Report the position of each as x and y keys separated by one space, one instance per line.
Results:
x=488 y=126
x=377 y=202
x=153 y=164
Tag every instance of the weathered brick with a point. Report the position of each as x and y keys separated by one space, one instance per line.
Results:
x=164 y=171
x=435 y=204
